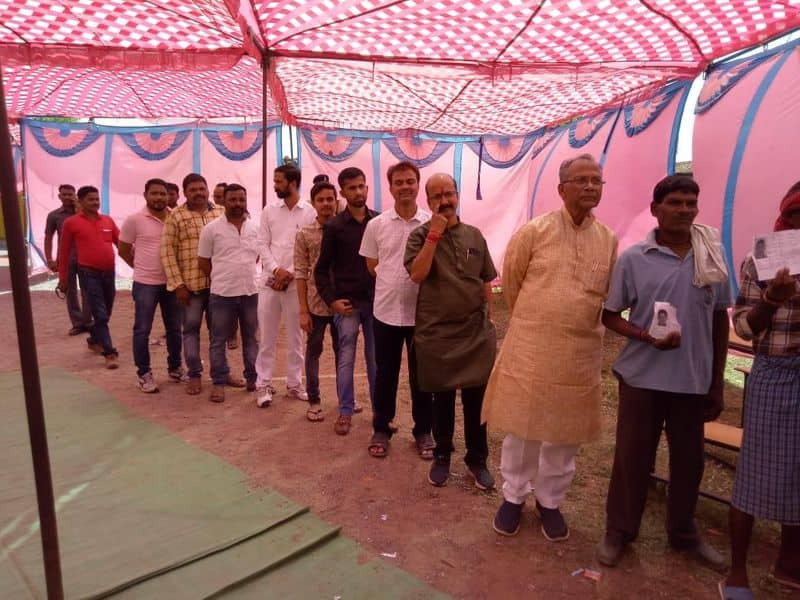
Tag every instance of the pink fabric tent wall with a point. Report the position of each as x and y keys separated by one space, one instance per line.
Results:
x=118 y=161
x=640 y=153
x=587 y=135
x=743 y=157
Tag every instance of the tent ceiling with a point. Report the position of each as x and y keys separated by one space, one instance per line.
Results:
x=451 y=66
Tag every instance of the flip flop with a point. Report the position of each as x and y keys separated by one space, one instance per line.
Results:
x=730 y=592
x=314 y=414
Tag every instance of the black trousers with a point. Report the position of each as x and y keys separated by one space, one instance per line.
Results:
x=389 y=341
x=642 y=415
x=444 y=421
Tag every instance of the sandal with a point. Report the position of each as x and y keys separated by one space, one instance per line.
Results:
x=379 y=445
x=235 y=382
x=193 y=386
x=357 y=408
x=314 y=414
x=217 y=394
x=393 y=427
x=342 y=425
x=425 y=446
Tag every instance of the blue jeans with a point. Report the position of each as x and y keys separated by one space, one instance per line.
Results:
x=313 y=352
x=347 y=328
x=225 y=311
x=145 y=299
x=191 y=319
x=100 y=292
x=77 y=308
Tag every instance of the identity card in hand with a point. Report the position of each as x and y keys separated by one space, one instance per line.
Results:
x=774 y=251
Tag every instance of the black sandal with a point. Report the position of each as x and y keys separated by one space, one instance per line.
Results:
x=425 y=446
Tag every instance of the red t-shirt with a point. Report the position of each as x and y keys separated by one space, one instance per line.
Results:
x=93 y=239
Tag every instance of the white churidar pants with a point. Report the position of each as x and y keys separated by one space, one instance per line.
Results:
x=528 y=465
x=271 y=306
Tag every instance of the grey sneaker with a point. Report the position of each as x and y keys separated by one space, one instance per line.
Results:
x=147 y=384
x=178 y=375
x=297 y=393
x=483 y=478
x=609 y=550
x=440 y=471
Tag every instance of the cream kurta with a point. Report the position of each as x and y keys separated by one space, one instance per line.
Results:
x=545 y=384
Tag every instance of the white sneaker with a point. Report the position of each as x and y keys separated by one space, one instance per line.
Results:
x=297 y=393
x=147 y=384
x=178 y=375
x=264 y=397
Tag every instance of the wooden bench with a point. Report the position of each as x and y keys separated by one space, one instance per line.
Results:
x=723 y=436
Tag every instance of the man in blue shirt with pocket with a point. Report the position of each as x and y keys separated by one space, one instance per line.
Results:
x=675 y=382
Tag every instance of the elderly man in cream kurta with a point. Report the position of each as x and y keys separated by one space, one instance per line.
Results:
x=544 y=391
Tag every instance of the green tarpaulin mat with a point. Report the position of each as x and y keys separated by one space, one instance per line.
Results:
x=142 y=514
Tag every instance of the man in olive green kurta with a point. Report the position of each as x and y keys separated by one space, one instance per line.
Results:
x=544 y=392
x=454 y=339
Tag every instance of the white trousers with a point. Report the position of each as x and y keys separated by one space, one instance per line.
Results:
x=271 y=306
x=528 y=465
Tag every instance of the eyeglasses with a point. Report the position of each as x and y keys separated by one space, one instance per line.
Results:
x=584 y=181
x=449 y=195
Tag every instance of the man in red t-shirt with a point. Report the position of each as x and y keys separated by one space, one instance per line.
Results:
x=92 y=235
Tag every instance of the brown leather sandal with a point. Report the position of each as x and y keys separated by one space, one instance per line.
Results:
x=193 y=386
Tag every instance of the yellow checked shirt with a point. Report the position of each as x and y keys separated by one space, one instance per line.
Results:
x=179 y=246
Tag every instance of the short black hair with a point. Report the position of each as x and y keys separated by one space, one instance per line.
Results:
x=66 y=186
x=348 y=174
x=172 y=187
x=291 y=173
x=221 y=184
x=155 y=181
x=193 y=178
x=233 y=187
x=674 y=183
x=85 y=190
x=322 y=185
x=321 y=178
x=402 y=166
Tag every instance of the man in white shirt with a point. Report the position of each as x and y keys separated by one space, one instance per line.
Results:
x=227 y=253
x=280 y=222
x=394 y=310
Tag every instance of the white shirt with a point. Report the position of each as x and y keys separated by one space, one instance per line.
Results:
x=385 y=240
x=233 y=255
x=278 y=230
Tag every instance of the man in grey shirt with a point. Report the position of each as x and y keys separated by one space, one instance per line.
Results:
x=673 y=383
x=80 y=317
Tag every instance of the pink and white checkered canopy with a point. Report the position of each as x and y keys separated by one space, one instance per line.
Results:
x=448 y=66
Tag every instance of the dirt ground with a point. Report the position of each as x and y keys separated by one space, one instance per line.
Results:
x=441 y=535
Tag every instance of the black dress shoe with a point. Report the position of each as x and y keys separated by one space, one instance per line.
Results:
x=77 y=330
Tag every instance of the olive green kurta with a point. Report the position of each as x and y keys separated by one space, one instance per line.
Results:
x=546 y=382
x=454 y=340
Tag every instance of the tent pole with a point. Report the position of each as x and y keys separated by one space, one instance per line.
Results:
x=264 y=164
x=23 y=313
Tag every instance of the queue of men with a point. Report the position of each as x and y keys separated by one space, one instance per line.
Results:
x=420 y=278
